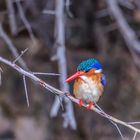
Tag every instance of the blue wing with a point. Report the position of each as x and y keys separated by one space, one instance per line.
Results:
x=103 y=80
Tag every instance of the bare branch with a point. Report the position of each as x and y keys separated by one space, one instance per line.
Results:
x=128 y=34
x=22 y=52
x=25 y=21
x=0 y=76
x=102 y=13
x=62 y=65
x=66 y=95
x=0 y=79
x=32 y=76
x=135 y=134
x=26 y=92
x=127 y=4
x=42 y=73
x=55 y=107
x=18 y=0
x=11 y=46
x=68 y=3
x=12 y=18
x=133 y=123
x=118 y=129
x=106 y=115
x=50 y=12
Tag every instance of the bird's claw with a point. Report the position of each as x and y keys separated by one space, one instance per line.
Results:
x=89 y=105
x=80 y=102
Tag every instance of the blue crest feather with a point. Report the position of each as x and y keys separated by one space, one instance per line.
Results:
x=89 y=64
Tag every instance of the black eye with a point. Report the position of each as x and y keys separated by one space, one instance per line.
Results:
x=86 y=70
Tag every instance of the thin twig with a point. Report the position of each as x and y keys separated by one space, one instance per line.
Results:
x=61 y=104
x=133 y=123
x=18 y=57
x=12 y=17
x=127 y=4
x=50 y=12
x=65 y=95
x=102 y=13
x=107 y=116
x=31 y=76
x=55 y=107
x=118 y=129
x=18 y=0
x=26 y=92
x=0 y=76
x=0 y=79
x=11 y=47
x=25 y=21
x=42 y=73
x=127 y=32
x=68 y=3
x=135 y=134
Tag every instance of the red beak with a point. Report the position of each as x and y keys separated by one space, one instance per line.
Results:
x=74 y=76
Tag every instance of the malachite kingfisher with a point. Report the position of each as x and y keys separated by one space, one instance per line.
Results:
x=89 y=82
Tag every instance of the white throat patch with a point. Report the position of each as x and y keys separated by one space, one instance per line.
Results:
x=98 y=71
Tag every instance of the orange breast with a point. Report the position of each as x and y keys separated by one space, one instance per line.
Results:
x=81 y=87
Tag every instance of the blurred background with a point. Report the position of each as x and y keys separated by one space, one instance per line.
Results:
x=108 y=30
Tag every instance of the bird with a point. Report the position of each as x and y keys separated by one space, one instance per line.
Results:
x=89 y=82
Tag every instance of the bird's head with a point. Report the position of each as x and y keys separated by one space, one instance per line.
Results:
x=84 y=67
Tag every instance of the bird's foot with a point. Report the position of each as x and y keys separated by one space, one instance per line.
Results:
x=89 y=105
x=80 y=102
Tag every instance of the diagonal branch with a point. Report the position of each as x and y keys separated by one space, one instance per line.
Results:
x=25 y=21
x=135 y=134
x=31 y=76
x=115 y=124
x=18 y=57
x=118 y=129
x=127 y=32
x=11 y=47
x=26 y=92
x=66 y=95
x=68 y=3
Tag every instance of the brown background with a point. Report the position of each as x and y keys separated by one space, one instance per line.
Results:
x=87 y=36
